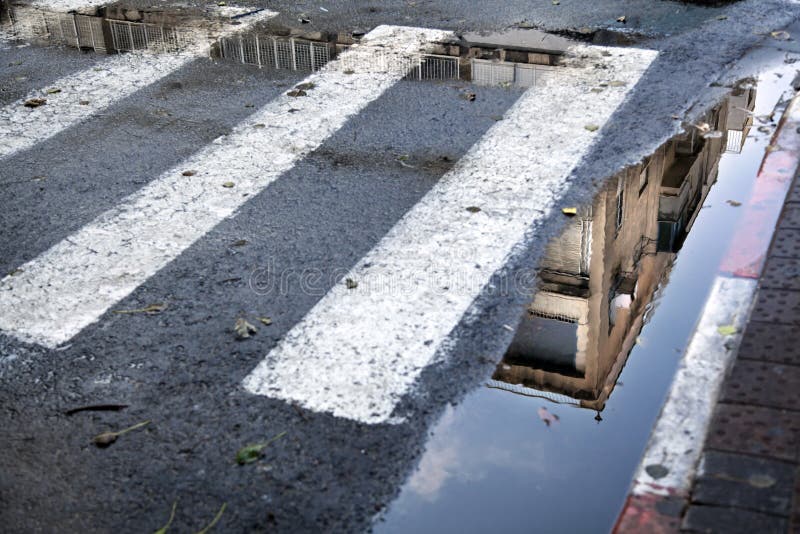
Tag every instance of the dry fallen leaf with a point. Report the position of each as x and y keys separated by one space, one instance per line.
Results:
x=569 y=211
x=473 y=209
x=228 y=185
x=53 y=91
x=266 y=321
x=189 y=173
x=350 y=283
x=296 y=92
x=35 y=102
x=243 y=329
x=592 y=127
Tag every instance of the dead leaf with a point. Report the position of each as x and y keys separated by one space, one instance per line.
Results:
x=781 y=35
x=243 y=329
x=623 y=19
x=189 y=173
x=35 y=102
x=469 y=97
x=296 y=92
x=349 y=71
x=107 y=438
x=53 y=91
x=734 y=203
x=259 y=125
x=350 y=283
x=591 y=127
x=228 y=185
x=239 y=243
x=152 y=308
x=547 y=417
x=473 y=209
x=571 y=212
x=266 y=321
x=727 y=330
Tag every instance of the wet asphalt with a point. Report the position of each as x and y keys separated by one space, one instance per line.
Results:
x=181 y=369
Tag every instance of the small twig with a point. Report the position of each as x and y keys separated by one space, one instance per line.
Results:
x=215 y=520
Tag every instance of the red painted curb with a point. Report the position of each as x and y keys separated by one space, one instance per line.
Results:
x=654 y=514
x=746 y=256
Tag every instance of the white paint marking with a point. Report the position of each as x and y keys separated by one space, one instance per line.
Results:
x=82 y=95
x=358 y=351
x=677 y=439
x=75 y=282
x=85 y=93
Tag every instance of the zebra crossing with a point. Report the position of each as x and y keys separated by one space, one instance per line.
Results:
x=77 y=97
x=361 y=348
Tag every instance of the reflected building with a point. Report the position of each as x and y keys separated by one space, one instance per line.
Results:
x=599 y=277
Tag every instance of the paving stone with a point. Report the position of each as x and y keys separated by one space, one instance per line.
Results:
x=790 y=217
x=794 y=193
x=770 y=342
x=755 y=430
x=777 y=306
x=763 y=384
x=786 y=243
x=781 y=273
x=723 y=520
x=747 y=482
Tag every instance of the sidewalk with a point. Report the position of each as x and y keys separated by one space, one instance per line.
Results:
x=749 y=475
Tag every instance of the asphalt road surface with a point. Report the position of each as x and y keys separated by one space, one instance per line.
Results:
x=188 y=193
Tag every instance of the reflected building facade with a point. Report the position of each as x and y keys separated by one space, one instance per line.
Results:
x=600 y=276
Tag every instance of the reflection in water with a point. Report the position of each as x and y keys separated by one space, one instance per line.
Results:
x=600 y=276
x=524 y=61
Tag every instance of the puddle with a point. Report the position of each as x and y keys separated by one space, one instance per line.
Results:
x=553 y=437
x=519 y=58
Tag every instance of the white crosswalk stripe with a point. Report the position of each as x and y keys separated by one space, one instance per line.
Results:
x=77 y=97
x=359 y=350
x=71 y=285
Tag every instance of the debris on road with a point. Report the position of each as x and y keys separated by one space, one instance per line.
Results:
x=350 y=283
x=570 y=212
x=243 y=329
x=215 y=520
x=163 y=530
x=266 y=321
x=727 y=330
x=228 y=185
x=151 y=309
x=473 y=209
x=251 y=453
x=96 y=408
x=107 y=438
x=35 y=102
x=592 y=127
